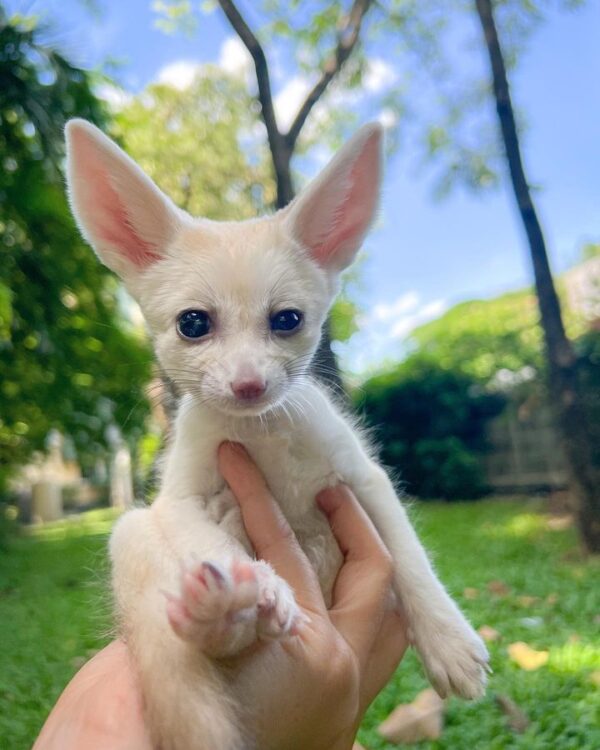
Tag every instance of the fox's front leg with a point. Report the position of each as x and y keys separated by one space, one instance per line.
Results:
x=454 y=656
x=223 y=607
x=174 y=568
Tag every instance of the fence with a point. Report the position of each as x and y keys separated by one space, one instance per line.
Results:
x=524 y=451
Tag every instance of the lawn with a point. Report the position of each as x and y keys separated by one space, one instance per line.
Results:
x=510 y=566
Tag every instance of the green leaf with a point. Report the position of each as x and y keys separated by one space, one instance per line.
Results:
x=6 y=311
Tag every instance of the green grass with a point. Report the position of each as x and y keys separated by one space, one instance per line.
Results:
x=474 y=544
x=54 y=614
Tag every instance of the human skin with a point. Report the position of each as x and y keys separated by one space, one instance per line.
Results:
x=321 y=680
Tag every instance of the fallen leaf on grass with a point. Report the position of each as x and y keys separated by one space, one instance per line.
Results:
x=527 y=601
x=499 y=588
x=470 y=593
x=526 y=657
x=532 y=622
x=559 y=523
x=551 y=598
x=423 y=719
x=517 y=719
x=488 y=633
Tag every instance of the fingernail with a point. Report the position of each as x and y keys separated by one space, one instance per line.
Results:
x=328 y=500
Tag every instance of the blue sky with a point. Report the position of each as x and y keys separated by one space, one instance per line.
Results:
x=424 y=255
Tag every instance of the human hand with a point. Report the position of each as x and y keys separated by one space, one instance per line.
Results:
x=311 y=691
x=100 y=709
x=321 y=681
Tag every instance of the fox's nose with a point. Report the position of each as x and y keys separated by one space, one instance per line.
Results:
x=248 y=390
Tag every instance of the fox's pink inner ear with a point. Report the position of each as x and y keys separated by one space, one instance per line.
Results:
x=331 y=217
x=119 y=210
x=109 y=218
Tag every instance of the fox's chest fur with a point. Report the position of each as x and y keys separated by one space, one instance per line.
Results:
x=298 y=458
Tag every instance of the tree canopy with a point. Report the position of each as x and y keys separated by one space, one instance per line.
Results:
x=67 y=357
x=199 y=144
x=479 y=338
x=482 y=338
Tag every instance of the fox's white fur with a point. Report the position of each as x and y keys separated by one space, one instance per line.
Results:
x=190 y=540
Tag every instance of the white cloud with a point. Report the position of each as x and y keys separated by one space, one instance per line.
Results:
x=320 y=155
x=289 y=99
x=387 y=117
x=392 y=320
x=406 y=324
x=179 y=74
x=382 y=329
x=234 y=58
x=115 y=96
x=384 y=312
x=379 y=75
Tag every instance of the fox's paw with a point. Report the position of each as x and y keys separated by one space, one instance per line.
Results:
x=224 y=607
x=455 y=658
x=278 y=614
x=216 y=607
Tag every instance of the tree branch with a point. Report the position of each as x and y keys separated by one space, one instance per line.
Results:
x=347 y=39
x=279 y=150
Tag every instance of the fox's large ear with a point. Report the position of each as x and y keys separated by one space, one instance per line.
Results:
x=332 y=215
x=119 y=210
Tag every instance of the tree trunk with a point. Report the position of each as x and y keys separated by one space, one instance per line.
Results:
x=571 y=415
x=281 y=157
x=282 y=145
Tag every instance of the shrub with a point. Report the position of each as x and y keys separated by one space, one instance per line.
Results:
x=430 y=423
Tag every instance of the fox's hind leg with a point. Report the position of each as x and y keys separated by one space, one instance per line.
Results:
x=187 y=701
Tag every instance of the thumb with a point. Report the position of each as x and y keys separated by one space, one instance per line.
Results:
x=266 y=526
x=363 y=584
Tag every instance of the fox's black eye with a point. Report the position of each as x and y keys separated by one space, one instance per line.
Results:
x=193 y=324
x=286 y=321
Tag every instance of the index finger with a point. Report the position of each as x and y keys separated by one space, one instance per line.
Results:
x=271 y=535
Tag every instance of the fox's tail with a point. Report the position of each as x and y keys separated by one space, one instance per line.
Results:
x=187 y=705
